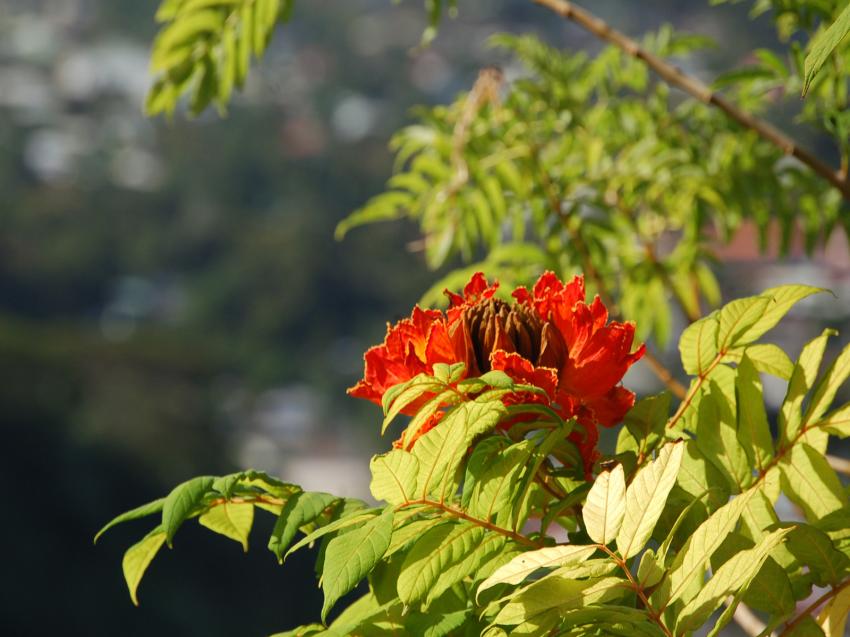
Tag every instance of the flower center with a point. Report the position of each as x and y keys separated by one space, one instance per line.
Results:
x=495 y=325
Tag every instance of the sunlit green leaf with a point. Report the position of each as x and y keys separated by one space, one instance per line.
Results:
x=138 y=557
x=183 y=500
x=350 y=556
x=133 y=514
x=734 y=575
x=299 y=510
x=231 y=519
x=522 y=566
x=645 y=499
x=810 y=483
x=605 y=506
x=394 y=476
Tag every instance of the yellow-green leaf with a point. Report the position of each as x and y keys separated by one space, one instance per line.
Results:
x=394 y=476
x=691 y=561
x=138 y=557
x=822 y=46
x=351 y=555
x=522 y=566
x=231 y=519
x=645 y=499
x=810 y=483
x=733 y=576
x=605 y=506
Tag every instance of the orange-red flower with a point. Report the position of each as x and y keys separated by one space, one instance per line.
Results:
x=549 y=337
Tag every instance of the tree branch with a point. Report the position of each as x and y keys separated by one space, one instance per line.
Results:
x=697 y=89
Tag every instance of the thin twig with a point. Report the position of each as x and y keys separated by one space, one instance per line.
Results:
x=697 y=89
x=789 y=627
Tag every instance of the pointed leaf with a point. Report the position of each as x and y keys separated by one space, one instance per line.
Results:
x=231 y=519
x=394 y=476
x=736 y=319
x=691 y=561
x=782 y=299
x=753 y=427
x=698 y=345
x=349 y=557
x=182 y=502
x=138 y=557
x=437 y=550
x=734 y=575
x=605 y=506
x=645 y=499
x=557 y=592
x=826 y=388
x=440 y=451
x=802 y=380
x=810 y=483
x=823 y=45
x=133 y=514
x=300 y=509
x=838 y=422
x=522 y=566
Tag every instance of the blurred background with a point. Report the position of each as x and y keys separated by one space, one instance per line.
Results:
x=172 y=301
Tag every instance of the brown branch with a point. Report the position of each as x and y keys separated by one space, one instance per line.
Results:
x=654 y=615
x=486 y=524
x=697 y=89
x=789 y=627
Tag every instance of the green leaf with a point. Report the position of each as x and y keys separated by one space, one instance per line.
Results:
x=782 y=298
x=183 y=500
x=440 y=451
x=838 y=422
x=557 y=592
x=644 y=425
x=802 y=380
x=810 y=483
x=522 y=566
x=337 y=525
x=230 y=519
x=698 y=345
x=736 y=319
x=825 y=390
x=469 y=566
x=495 y=488
x=645 y=499
x=765 y=357
x=133 y=514
x=753 y=427
x=436 y=551
x=350 y=556
x=605 y=506
x=814 y=549
x=734 y=575
x=138 y=557
x=691 y=561
x=822 y=46
x=833 y=617
x=394 y=476
x=698 y=476
x=302 y=508
x=718 y=440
